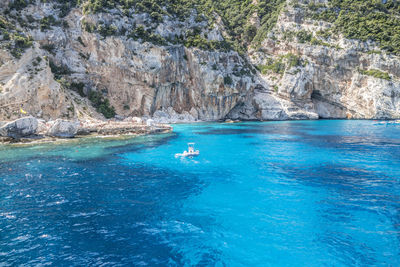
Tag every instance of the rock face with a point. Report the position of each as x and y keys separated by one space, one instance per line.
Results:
x=326 y=81
x=170 y=116
x=142 y=78
x=19 y=128
x=64 y=129
x=171 y=82
x=29 y=86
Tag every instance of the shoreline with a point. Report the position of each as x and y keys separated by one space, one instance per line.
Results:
x=114 y=130
x=67 y=131
x=39 y=140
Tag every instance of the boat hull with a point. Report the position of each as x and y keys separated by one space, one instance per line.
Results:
x=186 y=154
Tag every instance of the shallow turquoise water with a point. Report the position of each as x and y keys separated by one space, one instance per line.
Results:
x=306 y=193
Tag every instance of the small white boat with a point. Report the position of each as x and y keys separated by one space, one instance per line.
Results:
x=189 y=153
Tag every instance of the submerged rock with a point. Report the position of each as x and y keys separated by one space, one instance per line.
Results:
x=19 y=128
x=65 y=129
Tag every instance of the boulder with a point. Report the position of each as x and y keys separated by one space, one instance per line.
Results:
x=119 y=118
x=150 y=122
x=137 y=120
x=133 y=120
x=19 y=128
x=64 y=129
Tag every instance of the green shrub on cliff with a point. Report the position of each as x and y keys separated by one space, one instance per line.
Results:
x=203 y=43
x=107 y=30
x=228 y=80
x=47 y=22
x=376 y=73
x=59 y=70
x=146 y=36
x=4 y=24
x=87 y=26
x=282 y=63
x=78 y=87
x=19 y=44
x=19 y=4
x=304 y=36
x=277 y=67
x=293 y=60
x=101 y=104
x=22 y=41
x=13 y=39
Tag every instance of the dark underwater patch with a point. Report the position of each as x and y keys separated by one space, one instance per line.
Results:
x=350 y=190
x=337 y=175
x=262 y=129
x=357 y=187
x=248 y=136
x=349 y=144
x=342 y=246
x=147 y=143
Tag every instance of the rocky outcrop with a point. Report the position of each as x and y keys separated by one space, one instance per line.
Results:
x=128 y=126
x=19 y=128
x=142 y=78
x=29 y=83
x=64 y=129
x=30 y=129
x=327 y=81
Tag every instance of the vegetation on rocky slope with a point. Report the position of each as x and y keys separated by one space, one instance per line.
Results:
x=214 y=25
x=245 y=21
x=235 y=14
x=376 y=73
x=13 y=39
x=374 y=20
x=281 y=64
x=101 y=104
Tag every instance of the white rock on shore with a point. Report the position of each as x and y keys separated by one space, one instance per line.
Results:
x=64 y=129
x=19 y=128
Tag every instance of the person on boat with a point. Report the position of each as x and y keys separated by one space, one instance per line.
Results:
x=190 y=152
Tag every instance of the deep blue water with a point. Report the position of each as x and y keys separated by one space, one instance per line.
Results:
x=306 y=193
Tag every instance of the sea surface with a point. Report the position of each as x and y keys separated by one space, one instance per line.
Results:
x=299 y=193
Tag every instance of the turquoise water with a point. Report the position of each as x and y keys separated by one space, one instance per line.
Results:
x=306 y=193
